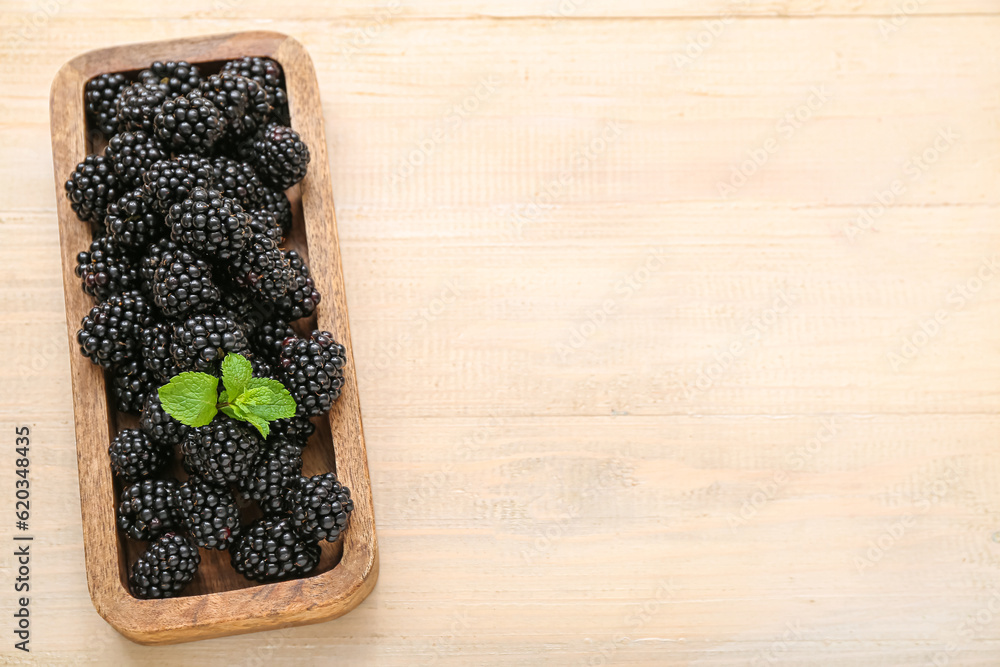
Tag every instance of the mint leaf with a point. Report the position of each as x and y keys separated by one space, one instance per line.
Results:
x=260 y=424
x=190 y=398
x=236 y=372
x=268 y=401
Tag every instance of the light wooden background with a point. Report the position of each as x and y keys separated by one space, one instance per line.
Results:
x=570 y=463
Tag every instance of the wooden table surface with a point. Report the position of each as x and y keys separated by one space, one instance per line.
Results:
x=674 y=327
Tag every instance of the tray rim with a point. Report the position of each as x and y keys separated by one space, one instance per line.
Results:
x=310 y=600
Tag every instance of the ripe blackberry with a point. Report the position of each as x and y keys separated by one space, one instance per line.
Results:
x=91 y=187
x=161 y=428
x=189 y=123
x=242 y=100
x=262 y=268
x=164 y=569
x=131 y=222
x=173 y=77
x=208 y=513
x=101 y=97
x=314 y=371
x=148 y=508
x=276 y=203
x=131 y=383
x=298 y=429
x=263 y=222
x=151 y=261
x=282 y=158
x=169 y=182
x=268 y=337
x=270 y=550
x=210 y=224
x=223 y=452
x=236 y=180
x=302 y=297
x=321 y=507
x=105 y=269
x=111 y=332
x=155 y=350
x=138 y=104
x=201 y=341
x=238 y=306
x=182 y=284
x=276 y=475
x=131 y=154
x=268 y=74
x=134 y=456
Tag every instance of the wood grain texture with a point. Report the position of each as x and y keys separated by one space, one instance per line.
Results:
x=587 y=509
x=219 y=602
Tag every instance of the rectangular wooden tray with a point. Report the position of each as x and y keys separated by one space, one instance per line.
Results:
x=219 y=601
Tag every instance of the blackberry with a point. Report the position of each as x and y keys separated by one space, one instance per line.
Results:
x=262 y=267
x=239 y=307
x=201 y=341
x=298 y=429
x=131 y=383
x=111 y=332
x=276 y=203
x=276 y=475
x=105 y=269
x=160 y=427
x=236 y=180
x=242 y=100
x=164 y=569
x=302 y=297
x=282 y=158
x=268 y=74
x=101 y=97
x=270 y=550
x=268 y=337
x=134 y=456
x=91 y=187
x=263 y=222
x=169 y=182
x=210 y=224
x=321 y=507
x=132 y=223
x=223 y=452
x=151 y=261
x=189 y=123
x=208 y=513
x=314 y=371
x=138 y=104
x=173 y=77
x=155 y=350
x=182 y=284
x=131 y=154
x=148 y=508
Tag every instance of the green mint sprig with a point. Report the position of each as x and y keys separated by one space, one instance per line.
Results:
x=194 y=398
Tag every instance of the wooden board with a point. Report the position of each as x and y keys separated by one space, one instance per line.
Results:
x=481 y=437
x=219 y=601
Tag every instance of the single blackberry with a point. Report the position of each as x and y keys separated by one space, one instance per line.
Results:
x=208 y=513
x=268 y=337
x=313 y=371
x=182 y=284
x=276 y=475
x=321 y=507
x=236 y=180
x=276 y=203
x=131 y=154
x=298 y=429
x=169 y=182
x=242 y=100
x=138 y=104
x=224 y=452
x=164 y=569
x=161 y=428
x=148 y=508
x=263 y=222
x=189 y=123
x=201 y=341
x=173 y=77
x=131 y=383
x=91 y=187
x=262 y=268
x=151 y=261
x=101 y=97
x=155 y=349
x=131 y=222
x=268 y=74
x=110 y=334
x=105 y=269
x=210 y=224
x=237 y=305
x=270 y=550
x=282 y=158
x=134 y=456
x=302 y=297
